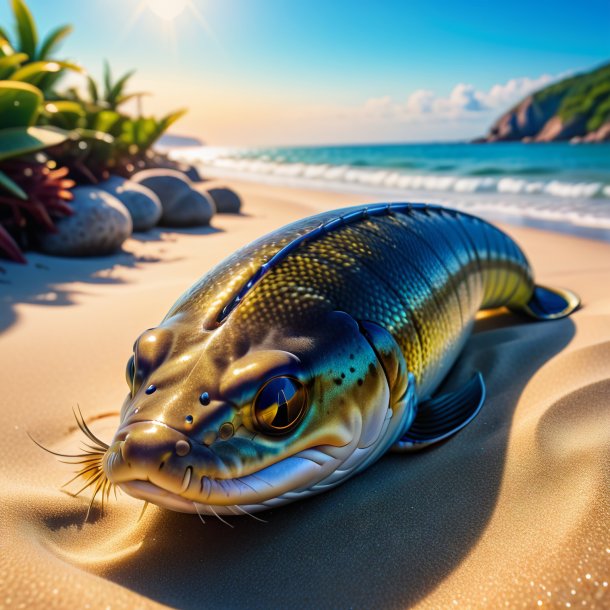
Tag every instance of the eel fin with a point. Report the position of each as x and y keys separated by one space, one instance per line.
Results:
x=442 y=416
x=550 y=303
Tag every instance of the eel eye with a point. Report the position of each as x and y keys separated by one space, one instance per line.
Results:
x=279 y=405
x=130 y=373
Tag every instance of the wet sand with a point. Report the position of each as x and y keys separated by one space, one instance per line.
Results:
x=512 y=512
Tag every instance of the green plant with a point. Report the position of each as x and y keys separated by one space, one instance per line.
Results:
x=32 y=190
x=582 y=98
x=26 y=58
x=114 y=94
x=103 y=139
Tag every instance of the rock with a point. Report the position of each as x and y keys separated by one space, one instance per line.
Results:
x=143 y=205
x=227 y=201
x=602 y=134
x=556 y=129
x=167 y=184
x=100 y=224
x=182 y=205
x=573 y=109
x=192 y=209
x=192 y=173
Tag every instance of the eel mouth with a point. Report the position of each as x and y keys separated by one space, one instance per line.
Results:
x=276 y=484
x=138 y=462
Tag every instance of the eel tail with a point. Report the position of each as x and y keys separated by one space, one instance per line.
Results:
x=549 y=303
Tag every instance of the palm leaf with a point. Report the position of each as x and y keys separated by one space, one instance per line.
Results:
x=12 y=187
x=9 y=63
x=5 y=42
x=106 y=121
x=19 y=104
x=26 y=28
x=52 y=40
x=107 y=79
x=117 y=89
x=34 y=72
x=65 y=114
x=17 y=141
x=92 y=87
x=122 y=99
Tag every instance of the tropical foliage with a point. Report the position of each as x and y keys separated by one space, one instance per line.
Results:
x=32 y=189
x=86 y=134
x=584 y=98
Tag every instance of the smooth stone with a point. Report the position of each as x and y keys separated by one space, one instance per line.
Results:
x=192 y=173
x=143 y=205
x=100 y=224
x=192 y=209
x=227 y=200
x=167 y=184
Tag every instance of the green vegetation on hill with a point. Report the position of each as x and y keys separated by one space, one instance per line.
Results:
x=584 y=98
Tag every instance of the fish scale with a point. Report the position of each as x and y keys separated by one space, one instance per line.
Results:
x=420 y=271
x=351 y=318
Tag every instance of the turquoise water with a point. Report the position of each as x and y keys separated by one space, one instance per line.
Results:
x=560 y=170
x=558 y=182
x=576 y=163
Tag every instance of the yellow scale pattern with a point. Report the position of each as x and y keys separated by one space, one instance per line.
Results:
x=422 y=275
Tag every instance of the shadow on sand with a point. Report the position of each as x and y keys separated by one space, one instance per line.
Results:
x=48 y=280
x=386 y=538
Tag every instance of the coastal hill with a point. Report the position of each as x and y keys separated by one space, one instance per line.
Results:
x=575 y=109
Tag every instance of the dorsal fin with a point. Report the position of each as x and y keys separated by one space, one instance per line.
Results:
x=378 y=209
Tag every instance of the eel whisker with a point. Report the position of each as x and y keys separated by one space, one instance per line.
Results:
x=64 y=455
x=198 y=513
x=90 y=482
x=95 y=492
x=82 y=424
x=80 y=473
x=143 y=508
x=218 y=516
x=91 y=462
x=245 y=512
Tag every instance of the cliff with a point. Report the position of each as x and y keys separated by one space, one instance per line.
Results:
x=575 y=109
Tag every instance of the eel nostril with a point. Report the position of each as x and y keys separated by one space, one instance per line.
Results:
x=183 y=448
x=226 y=431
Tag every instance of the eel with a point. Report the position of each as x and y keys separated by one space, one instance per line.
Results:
x=304 y=357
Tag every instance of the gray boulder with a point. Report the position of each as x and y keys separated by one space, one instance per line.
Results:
x=182 y=205
x=143 y=205
x=100 y=224
x=191 y=209
x=227 y=200
x=192 y=173
x=167 y=184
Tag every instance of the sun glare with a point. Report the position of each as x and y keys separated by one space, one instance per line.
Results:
x=167 y=9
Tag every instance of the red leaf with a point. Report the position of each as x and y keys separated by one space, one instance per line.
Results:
x=9 y=246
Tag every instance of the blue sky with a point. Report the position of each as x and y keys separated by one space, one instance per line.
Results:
x=288 y=72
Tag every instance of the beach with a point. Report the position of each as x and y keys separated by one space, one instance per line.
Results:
x=511 y=512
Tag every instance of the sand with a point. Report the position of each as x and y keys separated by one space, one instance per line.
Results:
x=512 y=512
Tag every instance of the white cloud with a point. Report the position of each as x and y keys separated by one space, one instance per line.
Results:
x=423 y=115
x=463 y=101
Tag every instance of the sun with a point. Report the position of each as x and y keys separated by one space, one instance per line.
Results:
x=167 y=9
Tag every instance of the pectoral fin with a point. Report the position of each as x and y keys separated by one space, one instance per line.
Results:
x=550 y=303
x=443 y=416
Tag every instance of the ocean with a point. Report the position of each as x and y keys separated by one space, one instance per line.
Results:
x=560 y=184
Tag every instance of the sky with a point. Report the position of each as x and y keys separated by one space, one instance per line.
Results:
x=282 y=72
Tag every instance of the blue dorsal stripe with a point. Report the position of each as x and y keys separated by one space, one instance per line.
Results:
x=378 y=209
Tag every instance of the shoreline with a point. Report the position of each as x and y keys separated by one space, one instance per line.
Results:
x=549 y=191
x=509 y=510
x=487 y=205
